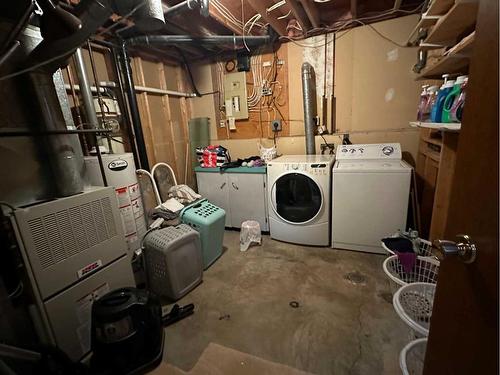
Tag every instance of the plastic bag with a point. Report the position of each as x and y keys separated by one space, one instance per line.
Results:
x=267 y=153
x=250 y=233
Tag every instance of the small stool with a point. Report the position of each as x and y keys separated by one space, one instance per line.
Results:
x=250 y=232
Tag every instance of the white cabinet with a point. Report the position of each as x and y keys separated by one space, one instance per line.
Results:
x=240 y=192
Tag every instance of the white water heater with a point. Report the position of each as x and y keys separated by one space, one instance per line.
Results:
x=120 y=174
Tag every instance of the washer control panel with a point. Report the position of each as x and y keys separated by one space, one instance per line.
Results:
x=380 y=151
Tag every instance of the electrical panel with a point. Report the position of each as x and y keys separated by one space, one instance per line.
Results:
x=235 y=95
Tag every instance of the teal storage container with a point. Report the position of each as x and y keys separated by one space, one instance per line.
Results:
x=209 y=221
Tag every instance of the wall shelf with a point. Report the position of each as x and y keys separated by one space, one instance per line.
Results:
x=460 y=18
x=425 y=22
x=450 y=127
x=439 y=7
x=455 y=60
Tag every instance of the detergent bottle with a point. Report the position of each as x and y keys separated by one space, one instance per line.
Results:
x=431 y=100
x=437 y=109
x=458 y=103
x=424 y=97
x=453 y=94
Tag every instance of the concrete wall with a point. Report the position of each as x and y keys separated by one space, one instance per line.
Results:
x=374 y=86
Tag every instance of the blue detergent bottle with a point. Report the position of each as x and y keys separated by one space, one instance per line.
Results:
x=437 y=110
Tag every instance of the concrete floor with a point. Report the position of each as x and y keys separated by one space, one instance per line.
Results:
x=343 y=325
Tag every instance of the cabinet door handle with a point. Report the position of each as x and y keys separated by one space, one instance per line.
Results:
x=222 y=186
x=236 y=187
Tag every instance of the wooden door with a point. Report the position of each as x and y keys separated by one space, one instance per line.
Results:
x=464 y=325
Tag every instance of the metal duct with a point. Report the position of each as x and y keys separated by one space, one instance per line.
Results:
x=310 y=106
x=188 y=39
x=85 y=90
x=149 y=17
x=64 y=151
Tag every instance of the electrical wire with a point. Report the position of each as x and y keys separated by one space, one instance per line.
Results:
x=243 y=27
x=341 y=25
x=285 y=16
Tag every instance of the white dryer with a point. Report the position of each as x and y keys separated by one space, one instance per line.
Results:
x=300 y=198
x=370 y=193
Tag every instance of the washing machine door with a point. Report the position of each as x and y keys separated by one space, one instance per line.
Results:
x=296 y=198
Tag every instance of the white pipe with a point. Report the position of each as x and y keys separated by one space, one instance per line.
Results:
x=151 y=90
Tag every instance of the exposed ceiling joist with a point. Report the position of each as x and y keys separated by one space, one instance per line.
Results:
x=354 y=9
x=260 y=7
x=299 y=14
x=312 y=12
x=224 y=21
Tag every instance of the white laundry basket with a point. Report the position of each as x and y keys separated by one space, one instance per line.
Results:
x=425 y=270
x=411 y=358
x=424 y=248
x=413 y=303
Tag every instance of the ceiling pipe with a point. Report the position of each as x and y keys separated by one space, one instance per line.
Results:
x=187 y=5
x=188 y=39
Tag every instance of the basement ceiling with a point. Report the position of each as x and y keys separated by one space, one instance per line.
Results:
x=286 y=19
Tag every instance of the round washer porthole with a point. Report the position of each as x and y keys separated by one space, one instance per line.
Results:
x=297 y=198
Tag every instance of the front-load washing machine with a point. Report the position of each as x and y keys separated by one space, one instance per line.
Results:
x=370 y=194
x=300 y=198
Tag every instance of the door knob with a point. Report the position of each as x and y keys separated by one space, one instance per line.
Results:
x=464 y=248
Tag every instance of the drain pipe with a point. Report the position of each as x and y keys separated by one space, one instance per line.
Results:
x=188 y=39
x=128 y=83
x=310 y=106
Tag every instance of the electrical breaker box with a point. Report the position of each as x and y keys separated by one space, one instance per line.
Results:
x=235 y=95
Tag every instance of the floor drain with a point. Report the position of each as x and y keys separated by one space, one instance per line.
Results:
x=225 y=317
x=355 y=277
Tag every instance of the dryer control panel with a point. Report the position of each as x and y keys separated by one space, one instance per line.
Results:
x=314 y=169
x=382 y=151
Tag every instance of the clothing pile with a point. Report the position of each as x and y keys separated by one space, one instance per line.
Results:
x=169 y=211
x=212 y=156
x=252 y=161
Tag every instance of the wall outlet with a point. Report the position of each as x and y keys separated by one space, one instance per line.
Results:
x=276 y=126
x=267 y=91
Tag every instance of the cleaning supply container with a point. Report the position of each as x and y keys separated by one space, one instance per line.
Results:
x=173 y=261
x=450 y=98
x=209 y=221
x=437 y=109
x=411 y=358
x=458 y=103
x=425 y=269
x=413 y=303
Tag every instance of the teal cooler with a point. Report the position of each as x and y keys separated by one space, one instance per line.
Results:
x=209 y=221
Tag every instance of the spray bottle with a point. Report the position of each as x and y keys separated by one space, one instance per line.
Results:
x=424 y=97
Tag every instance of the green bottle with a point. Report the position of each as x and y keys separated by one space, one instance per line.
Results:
x=450 y=98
